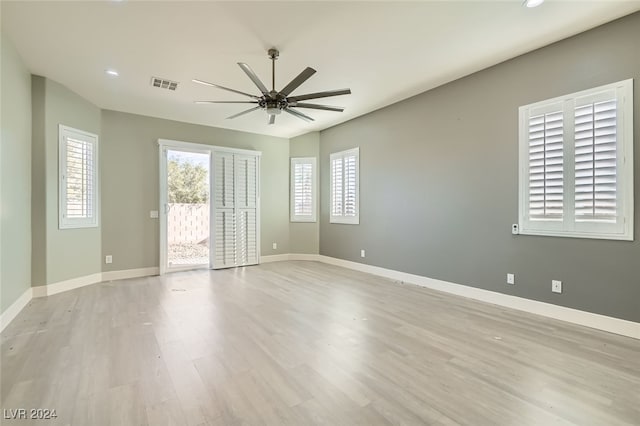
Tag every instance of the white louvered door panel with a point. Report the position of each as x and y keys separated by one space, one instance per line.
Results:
x=247 y=243
x=225 y=239
x=246 y=213
x=236 y=181
x=224 y=180
x=246 y=180
x=224 y=226
x=546 y=166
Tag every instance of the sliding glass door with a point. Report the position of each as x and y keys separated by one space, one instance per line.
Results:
x=209 y=206
x=185 y=203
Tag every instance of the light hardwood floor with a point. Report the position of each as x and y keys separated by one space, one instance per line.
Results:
x=301 y=343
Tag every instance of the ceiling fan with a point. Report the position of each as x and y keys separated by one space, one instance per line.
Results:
x=274 y=102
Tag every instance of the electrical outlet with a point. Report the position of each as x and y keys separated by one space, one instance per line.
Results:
x=275 y=246
x=511 y=279
x=153 y=214
x=556 y=286
x=362 y=253
x=108 y=259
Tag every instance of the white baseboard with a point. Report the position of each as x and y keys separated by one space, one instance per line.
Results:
x=274 y=258
x=311 y=257
x=290 y=256
x=130 y=273
x=60 y=286
x=574 y=316
x=14 y=309
x=39 y=291
x=47 y=290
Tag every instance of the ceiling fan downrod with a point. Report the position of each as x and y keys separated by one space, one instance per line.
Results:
x=273 y=54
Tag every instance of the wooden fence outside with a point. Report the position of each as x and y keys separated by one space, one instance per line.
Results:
x=187 y=223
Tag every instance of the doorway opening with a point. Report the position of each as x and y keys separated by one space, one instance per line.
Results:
x=187 y=209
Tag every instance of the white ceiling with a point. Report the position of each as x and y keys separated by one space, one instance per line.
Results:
x=383 y=51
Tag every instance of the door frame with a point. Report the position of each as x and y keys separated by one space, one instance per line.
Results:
x=166 y=144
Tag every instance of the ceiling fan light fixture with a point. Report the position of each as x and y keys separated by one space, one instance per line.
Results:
x=532 y=3
x=273 y=102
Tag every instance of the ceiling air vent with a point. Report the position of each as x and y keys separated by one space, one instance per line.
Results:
x=163 y=83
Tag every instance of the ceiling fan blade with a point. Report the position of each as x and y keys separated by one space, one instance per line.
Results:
x=243 y=112
x=296 y=82
x=206 y=83
x=298 y=114
x=225 y=102
x=272 y=119
x=252 y=75
x=317 y=95
x=316 y=106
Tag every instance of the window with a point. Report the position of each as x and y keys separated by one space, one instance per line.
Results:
x=303 y=189
x=576 y=164
x=345 y=191
x=78 y=169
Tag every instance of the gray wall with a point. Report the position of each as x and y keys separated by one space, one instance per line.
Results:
x=69 y=253
x=130 y=184
x=15 y=176
x=439 y=181
x=305 y=237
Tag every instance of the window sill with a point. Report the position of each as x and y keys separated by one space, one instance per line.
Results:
x=591 y=235
x=303 y=220
x=345 y=221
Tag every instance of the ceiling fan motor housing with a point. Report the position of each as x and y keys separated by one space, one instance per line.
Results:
x=273 y=105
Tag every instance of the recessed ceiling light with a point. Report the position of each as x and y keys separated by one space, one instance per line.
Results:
x=112 y=73
x=532 y=3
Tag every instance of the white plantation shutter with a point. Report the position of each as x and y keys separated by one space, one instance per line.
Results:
x=78 y=178
x=350 y=185
x=345 y=187
x=596 y=161
x=224 y=206
x=246 y=180
x=546 y=166
x=224 y=188
x=303 y=189
x=225 y=236
x=576 y=175
x=246 y=199
x=247 y=244
x=236 y=203
x=337 y=186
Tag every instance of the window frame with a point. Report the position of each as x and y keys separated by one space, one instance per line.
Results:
x=343 y=219
x=64 y=132
x=570 y=227
x=314 y=190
